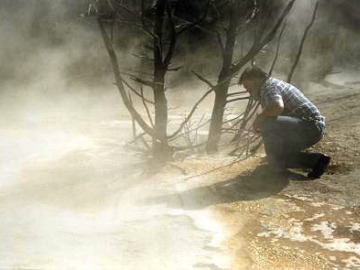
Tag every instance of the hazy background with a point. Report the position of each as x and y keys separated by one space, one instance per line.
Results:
x=68 y=183
x=53 y=59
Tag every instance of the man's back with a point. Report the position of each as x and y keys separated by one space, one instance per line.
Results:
x=295 y=102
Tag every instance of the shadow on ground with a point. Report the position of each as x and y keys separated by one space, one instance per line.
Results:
x=259 y=184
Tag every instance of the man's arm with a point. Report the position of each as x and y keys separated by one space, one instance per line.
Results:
x=273 y=109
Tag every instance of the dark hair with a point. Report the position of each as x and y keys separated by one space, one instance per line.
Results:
x=253 y=73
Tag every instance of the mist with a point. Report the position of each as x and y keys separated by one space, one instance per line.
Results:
x=71 y=185
x=52 y=62
x=53 y=58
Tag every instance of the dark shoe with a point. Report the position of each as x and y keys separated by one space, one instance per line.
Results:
x=320 y=167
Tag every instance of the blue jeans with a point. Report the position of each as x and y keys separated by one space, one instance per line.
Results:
x=286 y=137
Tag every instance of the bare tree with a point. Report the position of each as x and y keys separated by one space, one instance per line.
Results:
x=252 y=20
x=156 y=20
x=257 y=17
x=247 y=142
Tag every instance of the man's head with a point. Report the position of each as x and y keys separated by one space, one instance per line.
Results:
x=253 y=78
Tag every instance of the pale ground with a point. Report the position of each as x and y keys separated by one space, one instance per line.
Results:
x=73 y=197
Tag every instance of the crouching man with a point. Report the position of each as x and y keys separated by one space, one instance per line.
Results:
x=289 y=123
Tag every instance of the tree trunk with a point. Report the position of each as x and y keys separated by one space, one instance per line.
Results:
x=221 y=89
x=217 y=118
x=161 y=149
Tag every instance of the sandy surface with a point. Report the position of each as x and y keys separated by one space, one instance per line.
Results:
x=73 y=197
x=287 y=222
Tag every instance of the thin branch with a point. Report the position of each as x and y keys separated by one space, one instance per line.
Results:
x=175 y=68
x=143 y=57
x=233 y=119
x=202 y=18
x=119 y=81
x=135 y=92
x=173 y=36
x=134 y=24
x=249 y=139
x=129 y=70
x=146 y=107
x=143 y=22
x=190 y=114
x=230 y=129
x=250 y=110
x=237 y=123
x=198 y=128
x=139 y=80
x=158 y=34
x=277 y=50
x=302 y=43
x=133 y=122
x=237 y=93
x=190 y=130
x=137 y=138
x=111 y=5
x=251 y=113
x=187 y=135
x=257 y=147
x=145 y=143
x=141 y=137
x=203 y=79
x=220 y=43
x=120 y=4
x=182 y=148
x=256 y=47
x=236 y=99
x=239 y=119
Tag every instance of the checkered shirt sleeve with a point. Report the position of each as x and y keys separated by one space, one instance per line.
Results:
x=271 y=94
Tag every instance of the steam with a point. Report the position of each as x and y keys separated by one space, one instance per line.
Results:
x=53 y=60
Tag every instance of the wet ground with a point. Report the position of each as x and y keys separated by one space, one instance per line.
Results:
x=74 y=197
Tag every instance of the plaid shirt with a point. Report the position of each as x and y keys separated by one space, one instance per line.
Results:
x=295 y=103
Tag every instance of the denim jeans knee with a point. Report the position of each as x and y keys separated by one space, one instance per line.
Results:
x=266 y=125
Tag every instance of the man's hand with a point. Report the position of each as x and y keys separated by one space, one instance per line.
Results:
x=256 y=124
